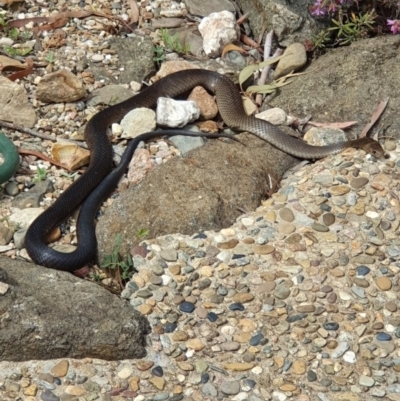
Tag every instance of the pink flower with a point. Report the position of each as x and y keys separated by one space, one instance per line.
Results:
x=394 y=24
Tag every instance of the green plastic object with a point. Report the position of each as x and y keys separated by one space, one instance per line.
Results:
x=11 y=158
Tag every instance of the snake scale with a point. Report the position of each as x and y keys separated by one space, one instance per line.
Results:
x=87 y=191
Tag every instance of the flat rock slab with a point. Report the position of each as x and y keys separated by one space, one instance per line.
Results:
x=48 y=314
x=359 y=77
x=207 y=189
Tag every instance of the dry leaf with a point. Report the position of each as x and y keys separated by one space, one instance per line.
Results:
x=24 y=73
x=375 y=116
x=342 y=125
x=250 y=42
x=135 y=11
x=10 y=64
x=229 y=47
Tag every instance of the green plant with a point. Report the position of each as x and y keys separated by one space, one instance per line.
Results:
x=123 y=266
x=349 y=28
x=142 y=233
x=353 y=19
x=23 y=51
x=159 y=54
x=41 y=174
x=70 y=176
x=50 y=58
x=13 y=33
x=171 y=43
x=319 y=40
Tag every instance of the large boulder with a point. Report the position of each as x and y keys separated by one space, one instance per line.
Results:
x=47 y=314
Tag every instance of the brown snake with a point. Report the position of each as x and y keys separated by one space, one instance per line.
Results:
x=87 y=190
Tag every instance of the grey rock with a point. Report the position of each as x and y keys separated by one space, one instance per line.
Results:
x=19 y=238
x=186 y=144
x=135 y=54
x=5 y=234
x=52 y=314
x=290 y=21
x=109 y=95
x=206 y=7
x=185 y=197
x=34 y=196
x=367 y=92
x=12 y=188
x=14 y=104
x=209 y=390
x=230 y=387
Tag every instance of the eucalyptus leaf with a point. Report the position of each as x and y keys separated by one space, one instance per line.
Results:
x=269 y=88
x=249 y=70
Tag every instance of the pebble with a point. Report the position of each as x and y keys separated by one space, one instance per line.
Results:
x=187 y=307
x=383 y=283
x=383 y=337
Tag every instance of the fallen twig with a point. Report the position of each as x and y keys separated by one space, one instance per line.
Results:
x=31 y=132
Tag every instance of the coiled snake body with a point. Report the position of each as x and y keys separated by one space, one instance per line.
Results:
x=231 y=110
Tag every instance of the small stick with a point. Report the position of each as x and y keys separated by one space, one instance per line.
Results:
x=32 y=132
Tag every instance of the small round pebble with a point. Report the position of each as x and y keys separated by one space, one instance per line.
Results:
x=212 y=317
x=187 y=307
x=236 y=307
x=363 y=270
x=331 y=326
x=383 y=336
x=311 y=376
x=157 y=371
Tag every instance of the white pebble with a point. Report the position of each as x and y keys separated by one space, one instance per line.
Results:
x=350 y=357
x=257 y=370
x=125 y=372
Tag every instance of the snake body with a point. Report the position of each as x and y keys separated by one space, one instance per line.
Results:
x=230 y=107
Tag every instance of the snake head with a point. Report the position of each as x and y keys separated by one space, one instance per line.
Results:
x=375 y=149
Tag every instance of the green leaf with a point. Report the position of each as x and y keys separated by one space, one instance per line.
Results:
x=249 y=70
x=269 y=88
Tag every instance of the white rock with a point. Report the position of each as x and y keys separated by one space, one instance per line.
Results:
x=372 y=215
x=275 y=116
x=3 y=288
x=279 y=396
x=125 y=372
x=138 y=121
x=257 y=370
x=176 y=113
x=340 y=350
x=135 y=86
x=240 y=397
x=116 y=129
x=6 y=42
x=350 y=357
x=218 y=30
x=97 y=57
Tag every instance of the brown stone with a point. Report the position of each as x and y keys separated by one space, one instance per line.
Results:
x=195 y=344
x=243 y=297
x=144 y=365
x=239 y=367
x=383 y=283
x=228 y=244
x=299 y=367
x=60 y=369
x=158 y=382
x=179 y=336
x=358 y=182
x=328 y=219
x=264 y=249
